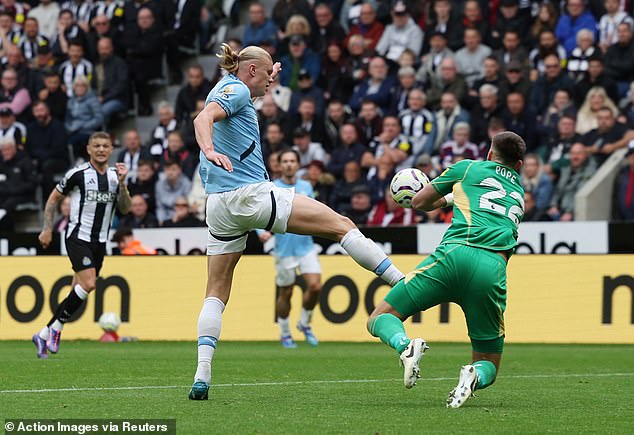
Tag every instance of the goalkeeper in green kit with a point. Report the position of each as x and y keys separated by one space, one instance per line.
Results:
x=468 y=267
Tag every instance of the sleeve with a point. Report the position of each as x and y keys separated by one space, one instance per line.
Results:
x=232 y=97
x=69 y=181
x=445 y=181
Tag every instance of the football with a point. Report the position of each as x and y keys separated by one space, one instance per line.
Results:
x=109 y=322
x=405 y=184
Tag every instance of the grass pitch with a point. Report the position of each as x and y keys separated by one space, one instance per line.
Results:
x=339 y=388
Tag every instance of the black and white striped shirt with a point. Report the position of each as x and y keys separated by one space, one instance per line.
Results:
x=93 y=197
x=80 y=10
x=417 y=127
x=69 y=72
x=113 y=10
x=28 y=47
x=17 y=131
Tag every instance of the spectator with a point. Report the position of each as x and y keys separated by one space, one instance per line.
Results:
x=139 y=216
x=31 y=39
x=80 y=10
x=336 y=74
x=481 y=114
x=474 y=19
x=260 y=28
x=176 y=151
x=27 y=78
x=556 y=152
x=389 y=213
x=13 y=96
x=562 y=105
x=281 y=96
x=418 y=125
x=619 y=59
x=495 y=126
x=180 y=39
x=17 y=181
x=377 y=87
x=102 y=27
x=269 y=113
x=515 y=81
x=336 y=116
x=570 y=22
x=144 y=49
x=306 y=90
x=46 y=13
x=608 y=23
x=169 y=188
x=509 y=18
x=132 y=154
x=10 y=128
x=368 y=27
x=546 y=19
x=537 y=182
x=587 y=115
x=54 y=96
x=360 y=205
x=459 y=146
x=491 y=76
x=573 y=177
x=111 y=80
x=443 y=19
x=531 y=212
x=67 y=31
x=369 y=122
x=390 y=148
x=349 y=150
x=624 y=188
x=182 y=217
x=448 y=81
x=512 y=51
x=438 y=51
x=145 y=183
x=197 y=88
x=321 y=181
x=450 y=113
x=42 y=64
x=309 y=118
x=595 y=76
x=350 y=178
x=128 y=245
x=299 y=58
x=359 y=57
x=520 y=119
x=167 y=124
x=296 y=25
x=308 y=151
x=547 y=84
x=326 y=30
x=63 y=210
x=601 y=140
x=273 y=165
x=406 y=83
x=470 y=58
x=425 y=164
x=402 y=34
x=579 y=58
x=75 y=66
x=273 y=140
x=283 y=10
x=548 y=44
x=46 y=144
x=83 y=116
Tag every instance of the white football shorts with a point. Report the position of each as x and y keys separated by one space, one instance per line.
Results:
x=286 y=268
x=231 y=215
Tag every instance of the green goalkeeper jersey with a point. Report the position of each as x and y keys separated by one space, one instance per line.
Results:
x=488 y=204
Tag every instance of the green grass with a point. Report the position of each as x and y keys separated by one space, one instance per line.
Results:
x=541 y=388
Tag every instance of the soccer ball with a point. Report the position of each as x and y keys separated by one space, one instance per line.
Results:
x=109 y=322
x=405 y=184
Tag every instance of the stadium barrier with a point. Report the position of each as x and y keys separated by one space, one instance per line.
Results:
x=552 y=299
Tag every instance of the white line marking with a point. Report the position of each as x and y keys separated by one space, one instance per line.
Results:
x=334 y=381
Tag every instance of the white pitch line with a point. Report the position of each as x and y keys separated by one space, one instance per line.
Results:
x=268 y=384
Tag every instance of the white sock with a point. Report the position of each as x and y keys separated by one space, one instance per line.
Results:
x=43 y=333
x=285 y=326
x=57 y=325
x=209 y=324
x=83 y=294
x=365 y=252
x=306 y=317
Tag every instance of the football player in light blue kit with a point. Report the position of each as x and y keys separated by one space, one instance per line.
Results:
x=241 y=197
x=294 y=252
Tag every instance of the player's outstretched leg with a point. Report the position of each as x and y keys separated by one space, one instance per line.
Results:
x=390 y=330
x=476 y=376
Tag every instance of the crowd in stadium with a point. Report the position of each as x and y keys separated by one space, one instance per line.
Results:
x=367 y=88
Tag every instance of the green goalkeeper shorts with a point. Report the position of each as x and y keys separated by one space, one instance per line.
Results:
x=473 y=278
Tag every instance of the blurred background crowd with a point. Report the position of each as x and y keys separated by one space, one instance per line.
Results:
x=367 y=88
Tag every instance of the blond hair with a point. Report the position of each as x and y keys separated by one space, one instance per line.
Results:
x=297 y=25
x=230 y=60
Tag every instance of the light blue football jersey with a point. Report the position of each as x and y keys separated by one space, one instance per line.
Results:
x=237 y=137
x=289 y=244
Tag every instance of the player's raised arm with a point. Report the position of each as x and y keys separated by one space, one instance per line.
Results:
x=46 y=235
x=124 y=201
x=204 y=127
x=429 y=199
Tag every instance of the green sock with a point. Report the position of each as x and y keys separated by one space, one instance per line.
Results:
x=390 y=330
x=486 y=373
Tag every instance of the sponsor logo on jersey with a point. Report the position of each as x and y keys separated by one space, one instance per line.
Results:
x=102 y=197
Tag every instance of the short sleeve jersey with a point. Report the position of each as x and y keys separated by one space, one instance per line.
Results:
x=289 y=244
x=488 y=204
x=237 y=136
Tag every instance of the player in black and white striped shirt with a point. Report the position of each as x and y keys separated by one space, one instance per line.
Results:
x=94 y=189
